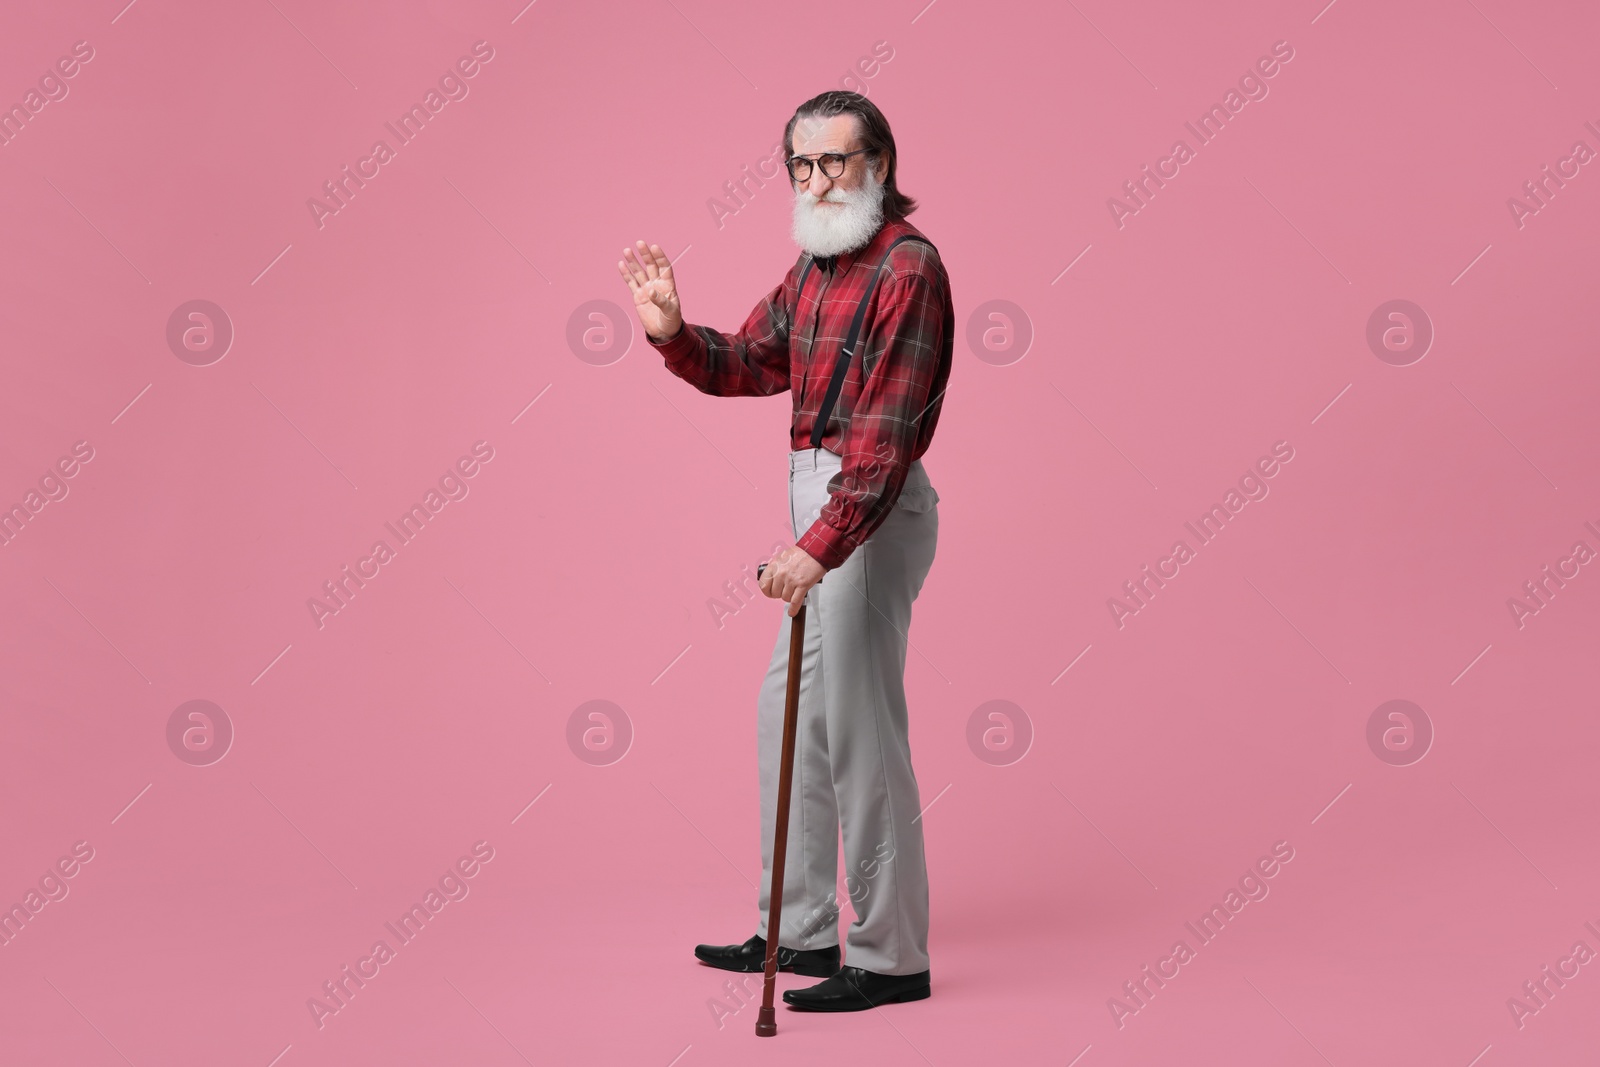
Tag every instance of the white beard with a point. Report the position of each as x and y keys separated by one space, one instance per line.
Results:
x=827 y=231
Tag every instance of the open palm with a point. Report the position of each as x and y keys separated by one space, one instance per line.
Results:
x=655 y=293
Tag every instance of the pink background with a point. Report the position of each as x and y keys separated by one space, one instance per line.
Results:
x=371 y=353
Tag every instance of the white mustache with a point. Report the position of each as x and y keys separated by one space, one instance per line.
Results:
x=830 y=232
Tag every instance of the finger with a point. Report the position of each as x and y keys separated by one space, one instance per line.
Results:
x=796 y=600
x=649 y=261
x=664 y=297
x=622 y=269
x=633 y=266
x=663 y=264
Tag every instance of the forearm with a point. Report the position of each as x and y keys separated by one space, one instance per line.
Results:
x=752 y=362
x=687 y=355
x=860 y=497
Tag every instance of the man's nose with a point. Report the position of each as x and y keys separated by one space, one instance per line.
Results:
x=820 y=182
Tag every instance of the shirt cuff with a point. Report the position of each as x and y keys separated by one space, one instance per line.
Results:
x=675 y=350
x=825 y=544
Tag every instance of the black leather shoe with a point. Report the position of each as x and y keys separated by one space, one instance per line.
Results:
x=854 y=989
x=752 y=957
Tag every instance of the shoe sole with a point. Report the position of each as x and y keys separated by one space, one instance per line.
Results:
x=740 y=968
x=899 y=998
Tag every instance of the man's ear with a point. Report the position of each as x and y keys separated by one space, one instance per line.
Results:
x=881 y=168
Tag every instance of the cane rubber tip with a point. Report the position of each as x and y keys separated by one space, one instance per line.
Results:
x=766 y=1022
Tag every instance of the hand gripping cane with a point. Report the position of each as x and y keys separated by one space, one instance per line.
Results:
x=766 y=1020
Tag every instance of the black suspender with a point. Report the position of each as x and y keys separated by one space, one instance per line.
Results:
x=800 y=290
x=836 y=383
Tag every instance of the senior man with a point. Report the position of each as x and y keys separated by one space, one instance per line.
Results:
x=864 y=513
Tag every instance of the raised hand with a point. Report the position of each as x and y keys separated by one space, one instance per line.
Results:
x=655 y=293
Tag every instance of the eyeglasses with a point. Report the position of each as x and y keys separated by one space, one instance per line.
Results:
x=832 y=163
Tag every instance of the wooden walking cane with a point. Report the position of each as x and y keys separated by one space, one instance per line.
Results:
x=766 y=1020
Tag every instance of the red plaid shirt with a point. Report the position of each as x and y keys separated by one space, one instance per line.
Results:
x=903 y=357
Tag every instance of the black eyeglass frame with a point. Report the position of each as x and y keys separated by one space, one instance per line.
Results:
x=842 y=157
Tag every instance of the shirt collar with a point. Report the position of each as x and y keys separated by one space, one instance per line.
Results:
x=841 y=263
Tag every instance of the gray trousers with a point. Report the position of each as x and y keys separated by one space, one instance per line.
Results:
x=852 y=747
